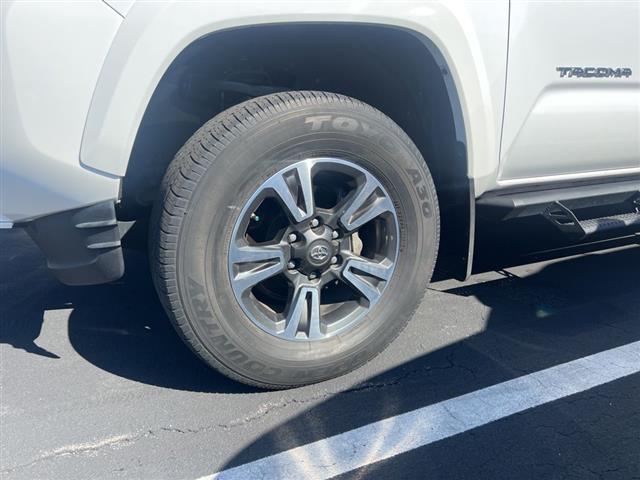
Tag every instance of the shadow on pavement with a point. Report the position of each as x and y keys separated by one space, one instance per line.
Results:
x=119 y=327
x=568 y=310
x=20 y=274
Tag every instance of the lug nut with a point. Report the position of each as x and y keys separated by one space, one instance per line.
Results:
x=334 y=260
x=315 y=222
x=334 y=234
x=312 y=276
x=292 y=237
x=291 y=265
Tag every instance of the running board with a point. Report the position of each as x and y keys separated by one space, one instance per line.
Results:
x=578 y=211
x=567 y=222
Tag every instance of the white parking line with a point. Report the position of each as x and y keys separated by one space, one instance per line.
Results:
x=394 y=435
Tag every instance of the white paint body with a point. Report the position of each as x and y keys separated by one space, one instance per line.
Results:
x=555 y=127
x=51 y=57
x=77 y=77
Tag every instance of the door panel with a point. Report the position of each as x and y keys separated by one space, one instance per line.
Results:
x=569 y=122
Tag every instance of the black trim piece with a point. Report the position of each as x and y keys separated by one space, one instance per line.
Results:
x=82 y=246
x=535 y=199
x=563 y=184
x=472 y=231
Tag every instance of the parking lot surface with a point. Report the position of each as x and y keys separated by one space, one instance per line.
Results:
x=531 y=372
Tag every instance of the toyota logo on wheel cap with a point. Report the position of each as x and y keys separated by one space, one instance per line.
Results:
x=319 y=253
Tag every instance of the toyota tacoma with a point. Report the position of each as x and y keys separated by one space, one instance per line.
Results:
x=299 y=167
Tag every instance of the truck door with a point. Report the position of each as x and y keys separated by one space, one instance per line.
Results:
x=572 y=106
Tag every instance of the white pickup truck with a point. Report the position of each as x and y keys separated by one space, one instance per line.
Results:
x=302 y=165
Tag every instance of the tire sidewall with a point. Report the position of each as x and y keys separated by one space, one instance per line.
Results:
x=362 y=136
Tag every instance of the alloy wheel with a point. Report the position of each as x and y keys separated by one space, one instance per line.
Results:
x=313 y=249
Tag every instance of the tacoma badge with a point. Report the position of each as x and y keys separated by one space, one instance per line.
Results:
x=597 y=72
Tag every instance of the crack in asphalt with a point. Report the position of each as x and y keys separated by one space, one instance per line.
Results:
x=76 y=449
x=262 y=411
x=267 y=408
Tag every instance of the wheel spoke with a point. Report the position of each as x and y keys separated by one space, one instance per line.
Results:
x=305 y=305
x=368 y=202
x=263 y=262
x=294 y=187
x=353 y=272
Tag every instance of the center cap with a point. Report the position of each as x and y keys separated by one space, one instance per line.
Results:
x=311 y=253
x=319 y=252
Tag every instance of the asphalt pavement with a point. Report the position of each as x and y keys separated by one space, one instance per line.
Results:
x=536 y=368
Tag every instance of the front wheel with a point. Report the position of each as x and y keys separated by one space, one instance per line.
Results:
x=294 y=237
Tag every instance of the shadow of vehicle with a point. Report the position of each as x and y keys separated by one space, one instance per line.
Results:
x=567 y=310
x=119 y=327
x=122 y=328
x=20 y=318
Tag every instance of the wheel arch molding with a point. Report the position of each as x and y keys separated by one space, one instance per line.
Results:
x=154 y=40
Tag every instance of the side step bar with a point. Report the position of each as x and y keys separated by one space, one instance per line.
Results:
x=577 y=211
x=567 y=222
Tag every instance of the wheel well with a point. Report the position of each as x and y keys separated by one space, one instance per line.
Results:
x=391 y=69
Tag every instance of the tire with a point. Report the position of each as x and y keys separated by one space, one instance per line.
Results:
x=198 y=228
